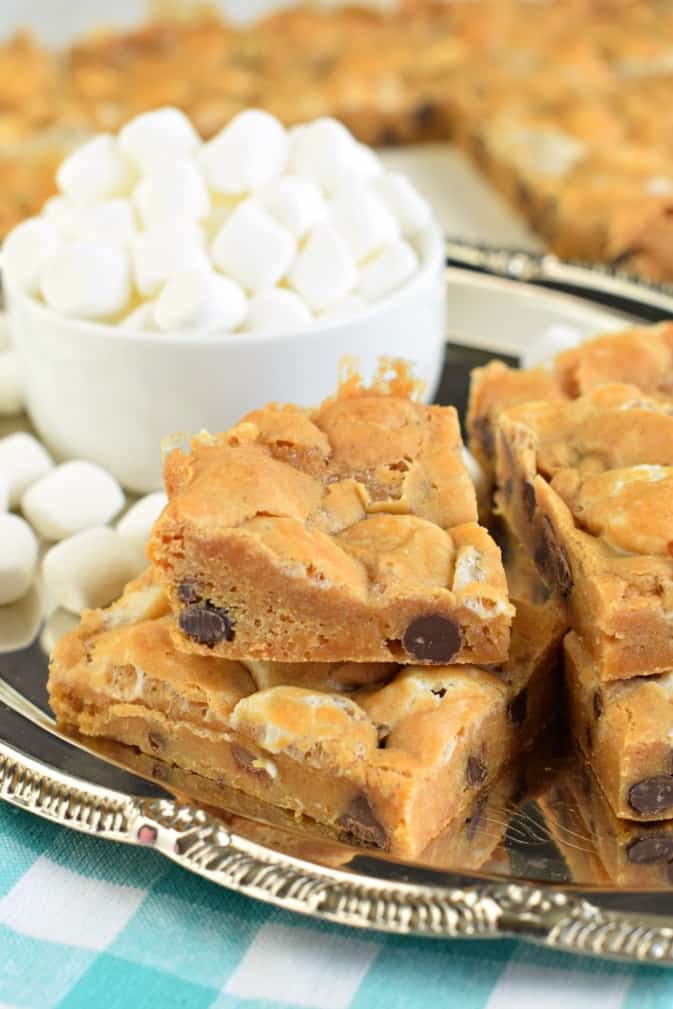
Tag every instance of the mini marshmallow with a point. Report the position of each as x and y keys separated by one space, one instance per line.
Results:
x=408 y=206
x=112 y=221
x=297 y=204
x=11 y=385
x=89 y=569
x=175 y=189
x=98 y=170
x=141 y=319
x=25 y=250
x=252 y=248
x=5 y=335
x=363 y=219
x=72 y=497
x=162 y=251
x=87 y=280
x=18 y=558
x=157 y=138
x=387 y=270
x=324 y=271
x=247 y=154
x=552 y=341
x=4 y=494
x=23 y=460
x=136 y=525
x=20 y=621
x=57 y=624
x=326 y=152
x=344 y=309
x=212 y=224
x=277 y=311
x=201 y=300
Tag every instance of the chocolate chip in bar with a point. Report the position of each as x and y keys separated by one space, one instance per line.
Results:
x=206 y=624
x=483 y=431
x=528 y=498
x=475 y=771
x=518 y=708
x=652 y=795
x=424 y=114
x=649 y=850
x=156 y=740
x=432 y=638
x=598 y=704
x=552 y=560
x=359 y=824
x=187 y=592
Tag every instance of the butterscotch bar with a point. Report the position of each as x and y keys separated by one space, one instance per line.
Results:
x=389 y=764
x=344 y=533
x=587 y=487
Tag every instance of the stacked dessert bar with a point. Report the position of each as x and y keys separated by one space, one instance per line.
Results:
x=324 y=624
x=583 y=463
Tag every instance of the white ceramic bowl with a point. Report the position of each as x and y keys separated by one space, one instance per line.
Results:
x=98 y=392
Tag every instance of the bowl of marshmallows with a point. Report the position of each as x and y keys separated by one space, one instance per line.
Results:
x=173 y=285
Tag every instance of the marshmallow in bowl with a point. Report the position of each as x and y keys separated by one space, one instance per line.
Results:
x=387 y=270
x=412 y=212
x=74 y=496
x=158 y=137
x=18 y=558
x=349 y=305
x=326 y=152
x=26 y=249
x=11 y=385
x=98 y=170
x=87 y=280
x=276 y=311
x=141 y=319
x=201 y=300
x=253 y=248
x=112 y=221
x=164 y=250
x=178 y=189
x=89 y=569
x=324 y=271
x=297 y=204
x=363 y=220
x=23 y=460
x=247 y=154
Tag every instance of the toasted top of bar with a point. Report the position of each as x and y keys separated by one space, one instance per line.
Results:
x=609 y=456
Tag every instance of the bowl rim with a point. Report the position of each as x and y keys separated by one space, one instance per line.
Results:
x=432 y=258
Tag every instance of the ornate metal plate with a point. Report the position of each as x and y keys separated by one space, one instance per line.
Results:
x=540 y=857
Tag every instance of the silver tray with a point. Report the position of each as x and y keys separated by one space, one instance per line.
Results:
x=540 y=857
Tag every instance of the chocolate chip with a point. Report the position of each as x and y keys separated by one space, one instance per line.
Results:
x=246 y=761
x=475 y=818
x=647 y=850
x=652 y=795
x=424 y=114
x=528 y=498
x=475 y=772
x=389 y=135
x=206 y=624
x=518 y=708
x=598 y=704
x=160 y=772
x=552 y=560
x=432 y=638
x=156 y=740
x=360 y=825
x=589 y=736
x=187 y=592
x=483 y=432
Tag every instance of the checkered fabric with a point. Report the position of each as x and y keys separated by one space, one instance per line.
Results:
x=89 y=925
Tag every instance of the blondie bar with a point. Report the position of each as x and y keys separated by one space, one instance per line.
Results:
x=586 y=486
x=344 y=533
x=389 y=764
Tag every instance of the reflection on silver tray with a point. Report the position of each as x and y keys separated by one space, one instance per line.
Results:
x=540 y=856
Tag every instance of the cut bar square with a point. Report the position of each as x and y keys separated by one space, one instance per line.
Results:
x=348 y=532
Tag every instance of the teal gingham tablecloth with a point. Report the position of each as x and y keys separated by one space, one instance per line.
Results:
x=85 y=924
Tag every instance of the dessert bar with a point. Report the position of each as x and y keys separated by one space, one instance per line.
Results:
x=344 y=533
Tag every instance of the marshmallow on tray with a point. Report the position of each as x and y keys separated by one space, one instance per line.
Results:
x=88 y=570
x=135 y=526
x=98 y=170
x=11 y=385
x=324 y=270
x=20 y=621
x=23 y=460
x=247 y=154
x=88 y=280
x=25 y=250
x=200 y=300
x=387 y=270
x=277 y=311
x=252 y=247
x=18 y=558
x=58 y=623
x=72 y=497
x=158 y=137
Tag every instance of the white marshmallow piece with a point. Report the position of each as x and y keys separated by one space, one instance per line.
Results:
x=25 y=250
x=20 y=621
x=324 y=271
x=554 y=339
x=4 y=495
x=252 y=248
x=11 y=385
x=74 y=496
x=136 y=525
x=326 y=152
x=87 y=280
x=57 y=624
x=18 y=558
x=277 y=311
x=88 y=570
x=141 y=319
x=387 y=270
x=98 y=170
x=297 y=204
x=247 y=154
x=200 y=300
x=157 y=138
x=5 y=335
x=406 y=203
x=364 y=221
x=349 y=306
x=162 y=251
x=177 y=189
x=112 y=221
x=23 y=460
